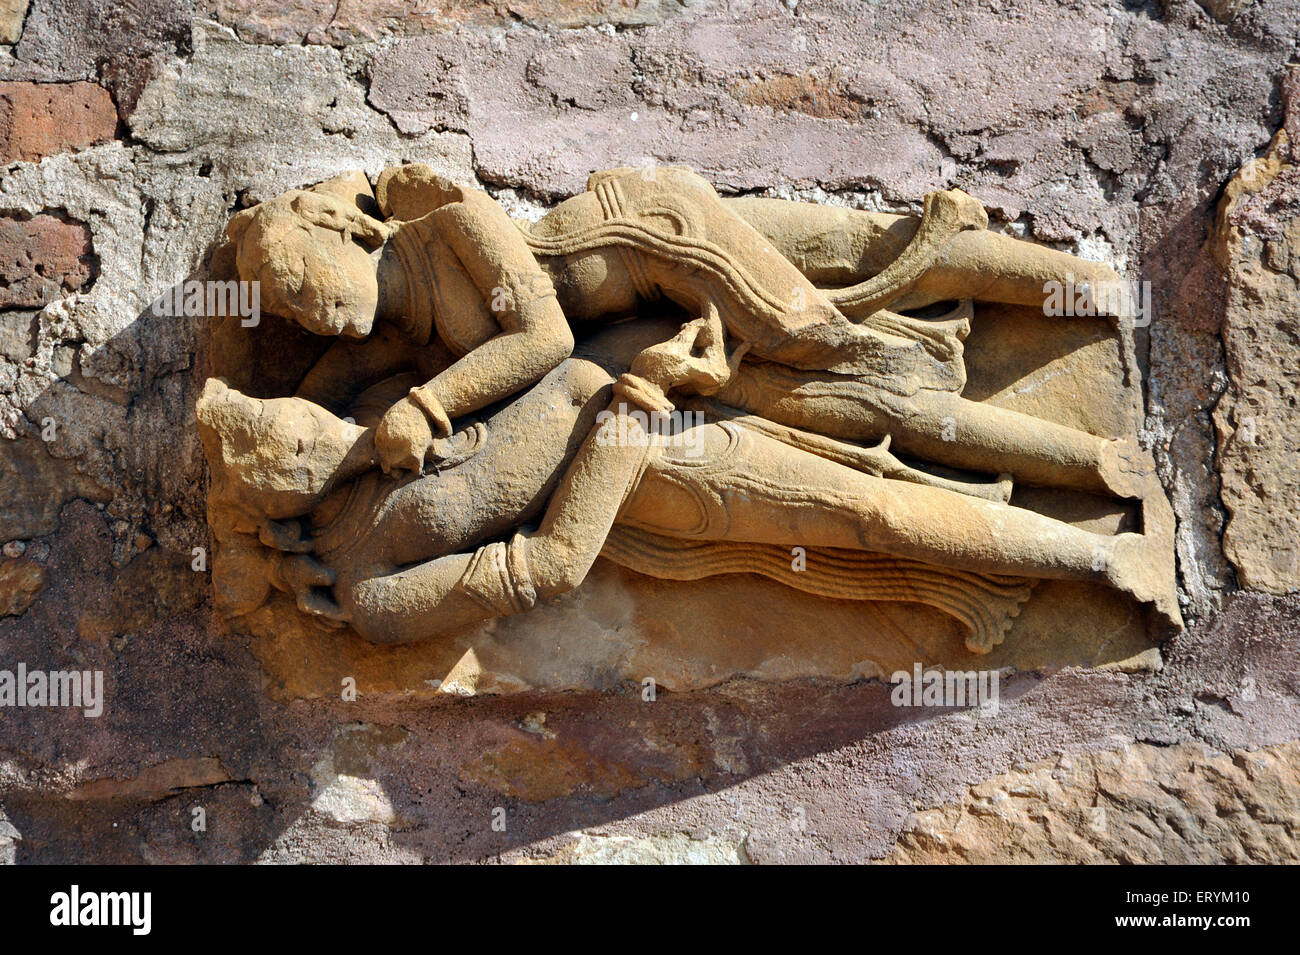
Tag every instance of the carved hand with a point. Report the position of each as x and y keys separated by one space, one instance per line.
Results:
x=694 y=360
x=403 y=437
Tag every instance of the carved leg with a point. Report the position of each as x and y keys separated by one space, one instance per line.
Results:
x=420 y=602
x=458 y=590
x=832 y=243
x=767 y=492
x=771 y=493
x=949 y=429
x=939 y=426
x=827 y=245
x=835 y=246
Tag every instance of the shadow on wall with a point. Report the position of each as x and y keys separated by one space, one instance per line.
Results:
x=188 y=733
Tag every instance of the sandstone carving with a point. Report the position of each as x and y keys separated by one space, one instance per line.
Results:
x=471 y=410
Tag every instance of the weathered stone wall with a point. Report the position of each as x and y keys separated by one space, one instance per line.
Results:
x=131 y=131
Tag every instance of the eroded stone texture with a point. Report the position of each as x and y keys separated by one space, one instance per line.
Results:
x=305 y=117
x=21 y=580
x=41 y=119
x=1138 y=805
x=1224 y=10
x=11 y=19
x=41 y=259
x=157 y=781
x=1257 y=243
x=677 y=848
x=75 y=39
x=351 y=21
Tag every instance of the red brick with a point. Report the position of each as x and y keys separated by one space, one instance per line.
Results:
x=41 y=119
x=41 y=259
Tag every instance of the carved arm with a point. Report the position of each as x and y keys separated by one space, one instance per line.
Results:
x=458 y=590
x=534 y=336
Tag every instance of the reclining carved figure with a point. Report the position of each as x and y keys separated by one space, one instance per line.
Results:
x=404 y=559
x=794 y=341
x=454 y=270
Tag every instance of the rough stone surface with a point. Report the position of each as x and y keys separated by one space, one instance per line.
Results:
x=1110 y=130
x=11 y=19
x=21 y=581
x=41 y=259
x=41 y=119
x=1141 y=804
x=351 y=21
x=119 y=45
x=1224 y=10
x=1257 y=243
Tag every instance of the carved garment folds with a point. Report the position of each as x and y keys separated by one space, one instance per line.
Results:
x=449 y=416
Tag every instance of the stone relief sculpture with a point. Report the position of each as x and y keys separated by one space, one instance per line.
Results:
x=473 y=410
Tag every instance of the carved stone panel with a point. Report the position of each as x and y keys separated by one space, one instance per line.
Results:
x=667 y=435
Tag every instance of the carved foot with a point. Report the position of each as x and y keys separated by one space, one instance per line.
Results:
x=307 y=580
x=1006 y=483
x=1143 y=567
x=1126 y=469
x=945 y=214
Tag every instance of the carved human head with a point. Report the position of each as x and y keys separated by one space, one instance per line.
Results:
x=311 y=252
